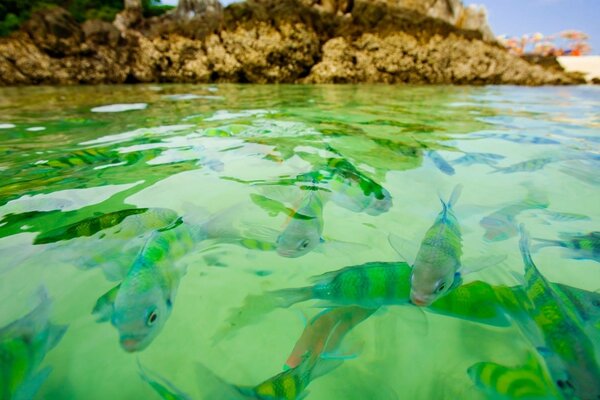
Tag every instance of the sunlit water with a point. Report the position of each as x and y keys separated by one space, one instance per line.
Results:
x=211 y=153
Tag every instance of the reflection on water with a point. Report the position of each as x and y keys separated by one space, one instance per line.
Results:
x=196 y=239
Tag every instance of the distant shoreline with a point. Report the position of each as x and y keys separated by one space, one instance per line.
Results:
x=271 y=41
x=589 y=65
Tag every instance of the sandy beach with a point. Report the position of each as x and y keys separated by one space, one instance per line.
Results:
x=589 y=65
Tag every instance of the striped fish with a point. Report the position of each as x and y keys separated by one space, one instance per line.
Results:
x=528 y=381
x=24 y=344
x=436 y=267
x=568 y=351
x=287 y=385
x=87 y=226
x=578 y=246
x=141 y=304
x=526 y=166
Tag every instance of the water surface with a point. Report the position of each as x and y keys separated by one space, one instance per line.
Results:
x=211 y=153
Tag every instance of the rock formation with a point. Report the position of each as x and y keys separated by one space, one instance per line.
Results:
x=266 y=41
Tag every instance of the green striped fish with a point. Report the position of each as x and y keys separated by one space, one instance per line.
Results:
x=578 y=246
x=528 y=381
x=436 y=267
x=23 y=346
x=287 y=385
x=568 y=351
x=141 y=304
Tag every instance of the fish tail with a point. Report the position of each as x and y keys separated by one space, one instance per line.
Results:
x=535 y=199
x=285 y=298
x=453 y=198
x=161 y=385
x=546 y=243
x=213 y=386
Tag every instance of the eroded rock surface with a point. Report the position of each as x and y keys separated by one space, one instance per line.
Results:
x=266 y=41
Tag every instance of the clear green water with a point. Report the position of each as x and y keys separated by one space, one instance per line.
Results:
x=197 y=154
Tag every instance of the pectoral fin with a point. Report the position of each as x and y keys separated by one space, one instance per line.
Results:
x=105 y=304
x=474 y=264
x=405 y=248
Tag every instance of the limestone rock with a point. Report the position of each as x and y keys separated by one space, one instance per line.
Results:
x=266 y=41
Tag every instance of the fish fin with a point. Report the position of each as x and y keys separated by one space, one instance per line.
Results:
x=475 y=264
x=263 y=233
x=104 y=306
x=404 y=247
x=454 y=196
x=213 y=386
x=165 y=389
x=28 y=389
x=255 y=307
x=543 y=243
x=535 y=199
x=324 y=366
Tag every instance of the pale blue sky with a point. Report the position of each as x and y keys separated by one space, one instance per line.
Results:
x=516 y=17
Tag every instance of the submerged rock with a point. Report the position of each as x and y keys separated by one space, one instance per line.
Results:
x=268 y=41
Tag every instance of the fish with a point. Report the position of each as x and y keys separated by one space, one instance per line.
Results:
x=567 y=350
x=527 y=381
x=525 y=139
x=577 y=246
x=303 y=232
x=326 y=331
x=477 y=158
x=86 y=227
x=526 y=166
x=24 y=344
x=139 y=306
x=565 y=217
x=354 y=191
x=287 y=385
x=438 y=261
x=440 y=162
x=369 y=285
x=125 y=238
x=347 y=186
x=502 y=224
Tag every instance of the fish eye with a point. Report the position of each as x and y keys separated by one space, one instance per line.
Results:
x=596 y=303
x=152 y=317
x=304 y=244
x=440 y=287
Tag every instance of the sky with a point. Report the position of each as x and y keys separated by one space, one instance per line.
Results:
x=516 y=17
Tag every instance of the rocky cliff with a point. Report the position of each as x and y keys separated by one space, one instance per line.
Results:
x=267 y=41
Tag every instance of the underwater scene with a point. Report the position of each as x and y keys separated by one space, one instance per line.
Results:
x=291 y=241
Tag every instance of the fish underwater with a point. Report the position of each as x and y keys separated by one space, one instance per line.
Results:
x=24 y=344
x=502 y=224
x=560 y=338
x=577 y=246
x=287 y=385
x=438 y=261
x=469 y=159
x=440 y=162
x=527 y=381
x=122 y=232
x=303 y=232
x=326 y=331
x=141 y=304
x=526 y=166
